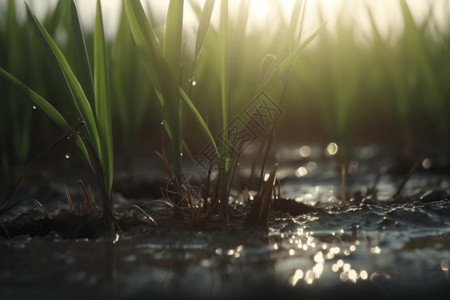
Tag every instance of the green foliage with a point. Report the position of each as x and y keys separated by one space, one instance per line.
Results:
x=350 y=87
x=98 y=146
x=161 y=75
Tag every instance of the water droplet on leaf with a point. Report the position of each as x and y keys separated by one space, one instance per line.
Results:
x=67 y=155
x=34 y=107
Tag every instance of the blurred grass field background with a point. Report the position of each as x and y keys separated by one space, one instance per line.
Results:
x=375 y=74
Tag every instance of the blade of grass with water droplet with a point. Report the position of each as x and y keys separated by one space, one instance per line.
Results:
x=43 y=104
x=79 y=98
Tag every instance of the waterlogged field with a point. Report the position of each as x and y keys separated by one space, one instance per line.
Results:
x=377 y=248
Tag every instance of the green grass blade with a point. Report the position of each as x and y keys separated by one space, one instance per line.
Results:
x=172 y=55
x=43 y=104
x=102 y=98
x=203 y=26
x=276 y=73
x=223 y=65
x=54 y=16
x=199 y=119
x=294 y=22
x=288 y=61
x=82 y=54
x=223 y=69
x=172 y=35
x=79 y=98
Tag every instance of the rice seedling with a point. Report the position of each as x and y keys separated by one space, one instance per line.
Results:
x=161 y=66
x=96 y=143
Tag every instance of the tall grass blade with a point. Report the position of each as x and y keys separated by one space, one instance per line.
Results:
x=172 y=55
x=83 y=57
x=288 y=61
x=296 y=22
x=281 y=67
x=223 y=70
x=203 y=26
x=102 y=98
x=172 y=35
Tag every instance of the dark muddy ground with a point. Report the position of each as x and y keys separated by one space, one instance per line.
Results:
x=314 y=246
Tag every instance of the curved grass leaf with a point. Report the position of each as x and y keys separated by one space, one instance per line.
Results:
x=79 y=98
x=43 y=104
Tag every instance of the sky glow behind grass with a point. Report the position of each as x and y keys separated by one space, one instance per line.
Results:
x=266 y=13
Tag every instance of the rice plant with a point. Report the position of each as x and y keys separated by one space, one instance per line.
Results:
x=162 y=66
x=96 y=141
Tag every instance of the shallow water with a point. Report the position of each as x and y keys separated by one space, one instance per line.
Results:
x=376 y=249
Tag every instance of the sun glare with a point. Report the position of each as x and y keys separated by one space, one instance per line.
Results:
x=259 y=11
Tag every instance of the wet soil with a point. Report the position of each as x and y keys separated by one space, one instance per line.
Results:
x=313 y=247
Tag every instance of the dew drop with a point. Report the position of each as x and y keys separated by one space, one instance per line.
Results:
x=194 y=83
x=34 y=107
x=332 y=148
x=163 y=122
x=67 y=155
x=181 y=154
x=427 y=163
